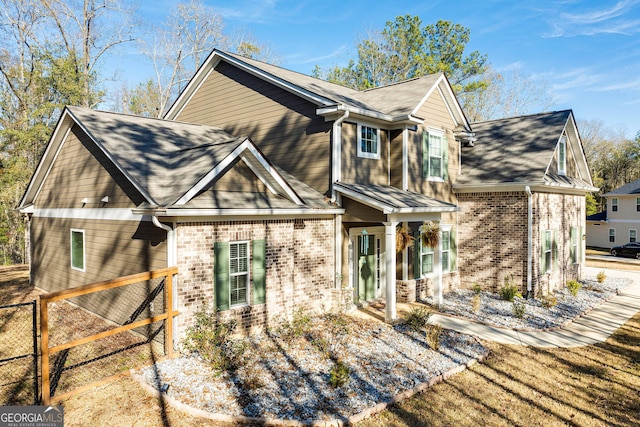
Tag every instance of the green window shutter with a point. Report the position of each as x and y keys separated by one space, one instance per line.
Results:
x=416 y=257
x=258 y=271
x=445 y=158
x=556 y=261
x=543 y=249
x=221 y=275
x=425 y=155
x=453 y=251
x=581 y=249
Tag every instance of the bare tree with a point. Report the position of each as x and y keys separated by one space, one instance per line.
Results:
x=507 y=94
x=87 y=30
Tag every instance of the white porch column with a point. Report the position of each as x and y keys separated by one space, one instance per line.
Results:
x=390 y=270
x=437 y=273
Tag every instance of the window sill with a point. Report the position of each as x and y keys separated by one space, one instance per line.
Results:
x=434 y=179
x=370 y=157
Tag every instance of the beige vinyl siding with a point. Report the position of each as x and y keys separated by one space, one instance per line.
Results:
x=362 y=170
x=77 y=174
x=437 y=116
x=240 y=178
x=396 y=158
x=284 y=127
x=112 y=249
x=572 y=168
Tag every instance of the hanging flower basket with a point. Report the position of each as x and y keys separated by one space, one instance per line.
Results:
x=430 y=233
x=404 y=239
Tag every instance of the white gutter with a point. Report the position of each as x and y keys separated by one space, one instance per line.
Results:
x=336 y=152
x=527 y=189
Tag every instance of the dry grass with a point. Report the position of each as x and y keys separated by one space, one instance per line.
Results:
x=585 y=386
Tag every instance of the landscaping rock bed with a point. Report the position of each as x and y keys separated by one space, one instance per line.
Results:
x=497 y=312
x=289 y=378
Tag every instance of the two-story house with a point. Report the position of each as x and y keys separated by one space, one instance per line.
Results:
x=271 y=190
x=619 y=224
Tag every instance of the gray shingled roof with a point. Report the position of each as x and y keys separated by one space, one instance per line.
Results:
x=630 y=188
x=515 y=149
x=165 y=159
x=394 y=198
x=396 y=99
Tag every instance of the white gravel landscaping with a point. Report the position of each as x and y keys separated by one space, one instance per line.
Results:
x=498 y=312
x=288 y=378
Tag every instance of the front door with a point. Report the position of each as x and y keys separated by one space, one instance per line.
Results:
x=368 y=249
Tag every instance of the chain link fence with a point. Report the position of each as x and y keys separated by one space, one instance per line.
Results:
x=18 y=354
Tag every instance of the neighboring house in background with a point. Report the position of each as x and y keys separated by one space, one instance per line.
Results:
x=620 y=223
x=313 y=200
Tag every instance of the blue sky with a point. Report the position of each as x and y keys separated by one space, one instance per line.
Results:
x=588 y=52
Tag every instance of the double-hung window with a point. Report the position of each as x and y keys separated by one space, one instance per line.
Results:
x=637 y=204
x=238 y=273
x=612 y=235
x=574 y=245
x=562 y=156
x=435 y=155
x=633 y=236
x=77 y=250
x=368 y=142
x=446 y=250
x=426 y=260
x=614 y=204
x=548 y=251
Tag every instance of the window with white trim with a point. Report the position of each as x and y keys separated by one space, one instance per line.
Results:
x=368 y=142
x=612 y=235
x=238 y=273
x=548 y=251
x=562 y=155
x=435 y=155
x=614 y=204
x=637 y=204
x=77 y=250
x=426 y=260
x=633 y=236
x=446 y=250
x=574 y=245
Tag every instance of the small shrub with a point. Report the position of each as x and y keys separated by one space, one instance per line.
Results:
x=519 y=308
x=417 y=318
x=601 y=277
x=339 y=374
x=210 y=338
x=574 y=287
x=433 y=335
x=299 y=326
x=509 y=291
x=322 y=345
x=477 y=289
x=475 y=303
x=548 y=301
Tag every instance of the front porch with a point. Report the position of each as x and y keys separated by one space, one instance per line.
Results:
x=377 y=270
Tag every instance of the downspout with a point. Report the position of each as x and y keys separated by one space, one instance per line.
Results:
x=171 y=261
x=527 y=189
x=336 y=164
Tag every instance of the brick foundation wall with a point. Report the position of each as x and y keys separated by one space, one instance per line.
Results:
x=299 y=269
x=492 y=239
x=420 y=289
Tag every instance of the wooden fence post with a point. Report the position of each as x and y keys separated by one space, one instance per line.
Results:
x=168 y=327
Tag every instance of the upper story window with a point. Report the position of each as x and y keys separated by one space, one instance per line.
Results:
x=368 y=142
x=614 y=204
x=562 y=156
x=637 y=204
x=435 y=157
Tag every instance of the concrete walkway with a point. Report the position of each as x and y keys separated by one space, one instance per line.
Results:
x=592 y=328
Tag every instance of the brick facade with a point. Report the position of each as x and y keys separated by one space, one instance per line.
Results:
x=421 y=289
x=493 y=239
x=299 y=268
